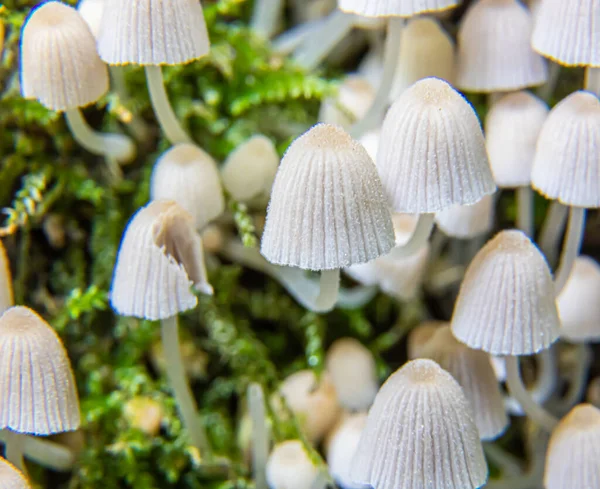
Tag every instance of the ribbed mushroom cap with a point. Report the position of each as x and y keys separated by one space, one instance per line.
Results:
x=249 y=171
x=425 y=50
x=494 y=48
x=574 y=451
x=11 y=477
x=566 y=165
x=467 y=221
x=353 y=373
x=432 y=152
x=60 y=66
x=289 y=467
x=91 y=11
x=512 y=127
x=355 y=96
x=327 y=207
x=159 y=260
x=6 y=288
x=567 y=31
x=473 y=370
x=506 y=301
x=394 y=8
x=39 y=391
x=342 y=446
x=418 y=337
x=420 y=434
x=578 y=304
x=152 y=32
x=189 y=176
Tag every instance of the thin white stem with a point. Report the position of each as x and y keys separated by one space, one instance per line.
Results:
x=579 y=378
x=418 y=238
x=571 y=247
x=175 y=370
x=44 y=452
x=14 y=450
x=260 y=435
x=525 y=212
x=592 y=80
x=329 y=288
x=508 y=463
x=552 y=229
x=292 y=39
x=533 y=410
x=375 y=114
x=117 y=146
x=547 y=89
x=162 y=107
x=266 y=17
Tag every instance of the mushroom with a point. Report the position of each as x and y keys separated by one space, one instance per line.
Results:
x=11 y=477
x=260 y=434
x=353 y=99
x=91 y=11
x=6 y=285
x=290 y=467
x=418 y=337
x=467 y=221
x=343 y=444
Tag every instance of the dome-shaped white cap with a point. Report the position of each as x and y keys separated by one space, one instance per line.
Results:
x=494 y=48
x=432 y=152
x=567 y=160
x=290 y=467
x=189 y=176
x=159 y=260
x=506 y=301
x=420 y=433
x=342 y=446
x=60 y=66
x=467 y=221
x=578 y=304
x=354 y=98
x=327 y=207
x=394 y=8
x=473 y=370
x=574 y=451
x=6 y=287
x=567 y=31
x=512 y=127
x=11 y=477
x=152 y=32
x=39 y=390
x=91 y=11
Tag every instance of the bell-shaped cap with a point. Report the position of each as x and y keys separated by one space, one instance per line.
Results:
x=506 y=301
x=159 y=260
x=494 y=48
x=425 y=50
x=574 y=451
x=566 y=164
x=432 y=152
x=578 y=304
x=418 y=337
x=512 y=127
x=327 y=207
x=473 y=370
x=39 y=391
x=394 y=8
x=6 y=287
x=60 y=66
x=354 y=98
x=567 y=32
x=92 y=11
x=420 y=434
x=467 y=221
x=353 y=373
x=11 y=477
x=153 y=32
x=249 y=171
x=188 y=175
x=343 y=444
x=290 y=467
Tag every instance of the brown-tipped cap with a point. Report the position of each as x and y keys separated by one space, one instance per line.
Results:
x=36 y=379
x=11 y=477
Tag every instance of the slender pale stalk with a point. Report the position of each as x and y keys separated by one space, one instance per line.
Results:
x=525 y=210
x=175 y=370
x=418 y=238
x=547 y=89
x=328 y=292
x=579 y=378
x=44 y=452
x=293 y=38
x=162 y=107
x=260 y=435
x=391 y=53
x=517 y=389
x=552 y=229
x=266 y=17
x=505 y=461
x=571 y=247
x=14 y=450
x=592 y=80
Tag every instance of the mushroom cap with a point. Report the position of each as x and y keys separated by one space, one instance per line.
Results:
x=153 y=32
x=567 y=160
x=567 y=32
x=394 y=8
x=506 y=301
x=327 y=207
x=159 y=260
x=578 y=305
x=512 y=128
x=473 y=370
x=6 y=288
x=418 y=337
x=189 y=176
x=420 y=433
x=432 y=152
x=290 y=467
x=40 y=394
x=354 y=98
x=60 y=66
x=574 y=450
x=467 y=221
x=91 y=11
x=11 y=477
x=494 y=48
x=342 y=446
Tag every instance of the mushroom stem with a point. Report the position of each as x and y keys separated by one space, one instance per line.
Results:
x=113 y=146
x=175 y=370
x=504 y=460
x=525 y=218
x=592 y=80
x=266 y=16
x=293 y=38
x=329 y=288
x=579 y=378
x=547 y=89
x=571 y=247
x=260 y=434
x=533 y=410
x=374 y=115
x=43 y=451
x=14 y=450
x=419 y=237
x=552 y=229
x=162 y=107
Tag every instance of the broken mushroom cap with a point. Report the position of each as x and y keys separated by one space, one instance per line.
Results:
x=394 y=8
x=514 y=313
x=11 y=477
x=159 y=260
x=6 y=287
x=422 y=411
x=60 y=66
x=290 y=467
x=467 y=221
x=40 y=395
